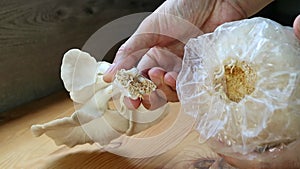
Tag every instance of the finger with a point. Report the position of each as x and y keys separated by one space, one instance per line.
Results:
x=131 y=104
x=153 y=101
x=170 y=79
x=148 y=61
x=297 y=26
x=129 y=54
x=136 y=46
x=163 y=57
x=157 y=75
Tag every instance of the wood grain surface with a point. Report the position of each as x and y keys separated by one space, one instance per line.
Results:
x=20 y=149
x=35 y=34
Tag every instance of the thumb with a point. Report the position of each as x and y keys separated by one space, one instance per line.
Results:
x=130 y=53
x=297 y=26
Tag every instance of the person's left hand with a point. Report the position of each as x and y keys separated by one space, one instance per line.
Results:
x=162 y=67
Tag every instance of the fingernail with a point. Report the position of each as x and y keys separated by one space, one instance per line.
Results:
x=174 y=76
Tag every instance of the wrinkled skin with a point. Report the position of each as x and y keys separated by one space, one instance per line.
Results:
x=159 y=43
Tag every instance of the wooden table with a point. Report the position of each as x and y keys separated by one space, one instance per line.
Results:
x=20 y=149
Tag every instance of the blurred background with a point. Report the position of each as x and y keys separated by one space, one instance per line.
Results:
x=35 y=34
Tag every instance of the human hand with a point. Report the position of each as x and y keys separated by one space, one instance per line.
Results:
x=296 y=26
x=167 y=30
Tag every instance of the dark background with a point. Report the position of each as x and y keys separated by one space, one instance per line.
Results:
x=34 y=35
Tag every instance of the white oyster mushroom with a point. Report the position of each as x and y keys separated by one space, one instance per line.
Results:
x=79 y=73
x=102 y=115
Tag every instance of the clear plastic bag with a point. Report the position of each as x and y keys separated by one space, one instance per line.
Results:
x=242 y=83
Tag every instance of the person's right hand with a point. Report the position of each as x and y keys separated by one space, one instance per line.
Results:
x=163 y=34
x=296 y=26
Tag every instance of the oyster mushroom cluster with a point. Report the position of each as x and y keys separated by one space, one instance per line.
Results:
x=242 y=83
x=100 y=114
x=134 y=84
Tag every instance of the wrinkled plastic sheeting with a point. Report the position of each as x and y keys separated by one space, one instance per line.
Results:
x=271 y=112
